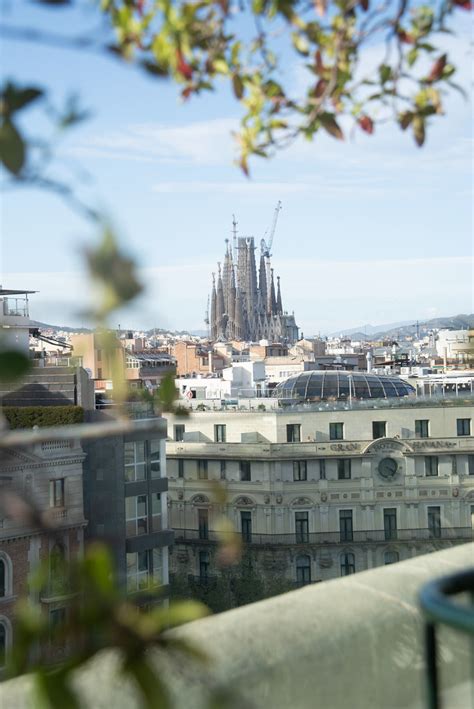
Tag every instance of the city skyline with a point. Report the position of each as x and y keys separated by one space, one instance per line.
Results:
x=365 y=234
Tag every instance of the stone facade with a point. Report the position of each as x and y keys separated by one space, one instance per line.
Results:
x=49 y=475
x=317 y=494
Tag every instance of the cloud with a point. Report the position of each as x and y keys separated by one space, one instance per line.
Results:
x=199 y=143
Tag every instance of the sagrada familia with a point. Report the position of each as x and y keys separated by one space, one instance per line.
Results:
x=243 y=308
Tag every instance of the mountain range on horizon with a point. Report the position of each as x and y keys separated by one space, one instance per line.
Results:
x=363 y=332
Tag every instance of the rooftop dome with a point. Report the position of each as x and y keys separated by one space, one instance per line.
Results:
x=322 y=385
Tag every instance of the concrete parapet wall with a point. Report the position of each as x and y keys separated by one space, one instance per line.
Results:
x=351 y=643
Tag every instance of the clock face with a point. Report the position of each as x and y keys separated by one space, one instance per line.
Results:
x=388 y=468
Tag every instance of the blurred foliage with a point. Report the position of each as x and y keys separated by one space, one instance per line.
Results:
x=249 y=45
x=99 y=615
x=29 y=416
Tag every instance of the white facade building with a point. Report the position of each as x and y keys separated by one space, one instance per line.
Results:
x=322 y=491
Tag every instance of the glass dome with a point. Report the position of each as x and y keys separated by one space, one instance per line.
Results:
x=340 y=385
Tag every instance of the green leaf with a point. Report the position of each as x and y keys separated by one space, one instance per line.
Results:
x=167 y=393
x=55 y=690
x=14 y=99
x=153 y=68
x=412 y=56
x=12 y=148
x=13 y=365
x=385 y=73
x=151 y=686
x=238 y=86
x=300 y=44
x=419 y=130
x=331 y=126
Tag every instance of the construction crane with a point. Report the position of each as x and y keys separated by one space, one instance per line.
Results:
x=264 y=246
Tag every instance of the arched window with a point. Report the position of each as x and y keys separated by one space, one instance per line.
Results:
x=303 y=569
x=6 y=579
x=3 y=644
x=5 y=640
x=3 y=578
x=391 y=557
x=347 y=564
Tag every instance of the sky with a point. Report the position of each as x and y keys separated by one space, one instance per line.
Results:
x=372 y=230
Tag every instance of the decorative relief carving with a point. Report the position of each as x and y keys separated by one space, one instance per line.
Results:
x=266 y=499
x=200 y=500
x=302 y=502
x=324 y=497
x=279 y=499
x=244 y=501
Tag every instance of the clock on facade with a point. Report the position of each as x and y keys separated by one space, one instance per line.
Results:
x=387 y=468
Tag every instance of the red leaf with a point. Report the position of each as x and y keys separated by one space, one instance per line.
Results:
x=464 y=4
x=405 y=37
x=318 y=62
x=320 y=88
x=437 y=68
x=364 y=5
x=182 y=65
x=186 y=93
x=367 y=124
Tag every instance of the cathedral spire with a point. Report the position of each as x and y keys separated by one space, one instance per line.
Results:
x=213 y=308
x=273 y=305
x=279 y=307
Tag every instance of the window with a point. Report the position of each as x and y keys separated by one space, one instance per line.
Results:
x=322 y=469
x=135 y=465
x=391 y=557
x=204 y=564
x=99 y=372
x=336 y=431
x=203 y=524
x=3 y=644
x=293 y=433
x=156 y=510
x=219 y=433
x=202 y=469
x=180 y=468
x=390 y=523
x=344 y=469
x=431 y=466
x=463 y=427
x=136 y=515
x=347 y=564
x=422 y=428
x=434 y=522
x=3 y=578
x=56 y=493
x=223 y=470
x=470 y=464
x=301 y=527
x=379 y=429
x=454 y=464
x=179 y=432
x=155 y=467
x=245 y=472
x=303 y=569
x=345 y=525
x=246 y=525
x=57 y=617
x=138 y=571
x=57 y=578
x=299 y=470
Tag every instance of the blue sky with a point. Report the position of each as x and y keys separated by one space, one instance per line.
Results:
x=372 y=230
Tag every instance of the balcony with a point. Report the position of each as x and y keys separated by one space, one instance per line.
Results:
x=353 y=642
x=457 y=535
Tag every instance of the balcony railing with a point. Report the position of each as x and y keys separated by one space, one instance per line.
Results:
x=454 y=534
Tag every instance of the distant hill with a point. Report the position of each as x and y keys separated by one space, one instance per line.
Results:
x=64 y=328
x=402 y=329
